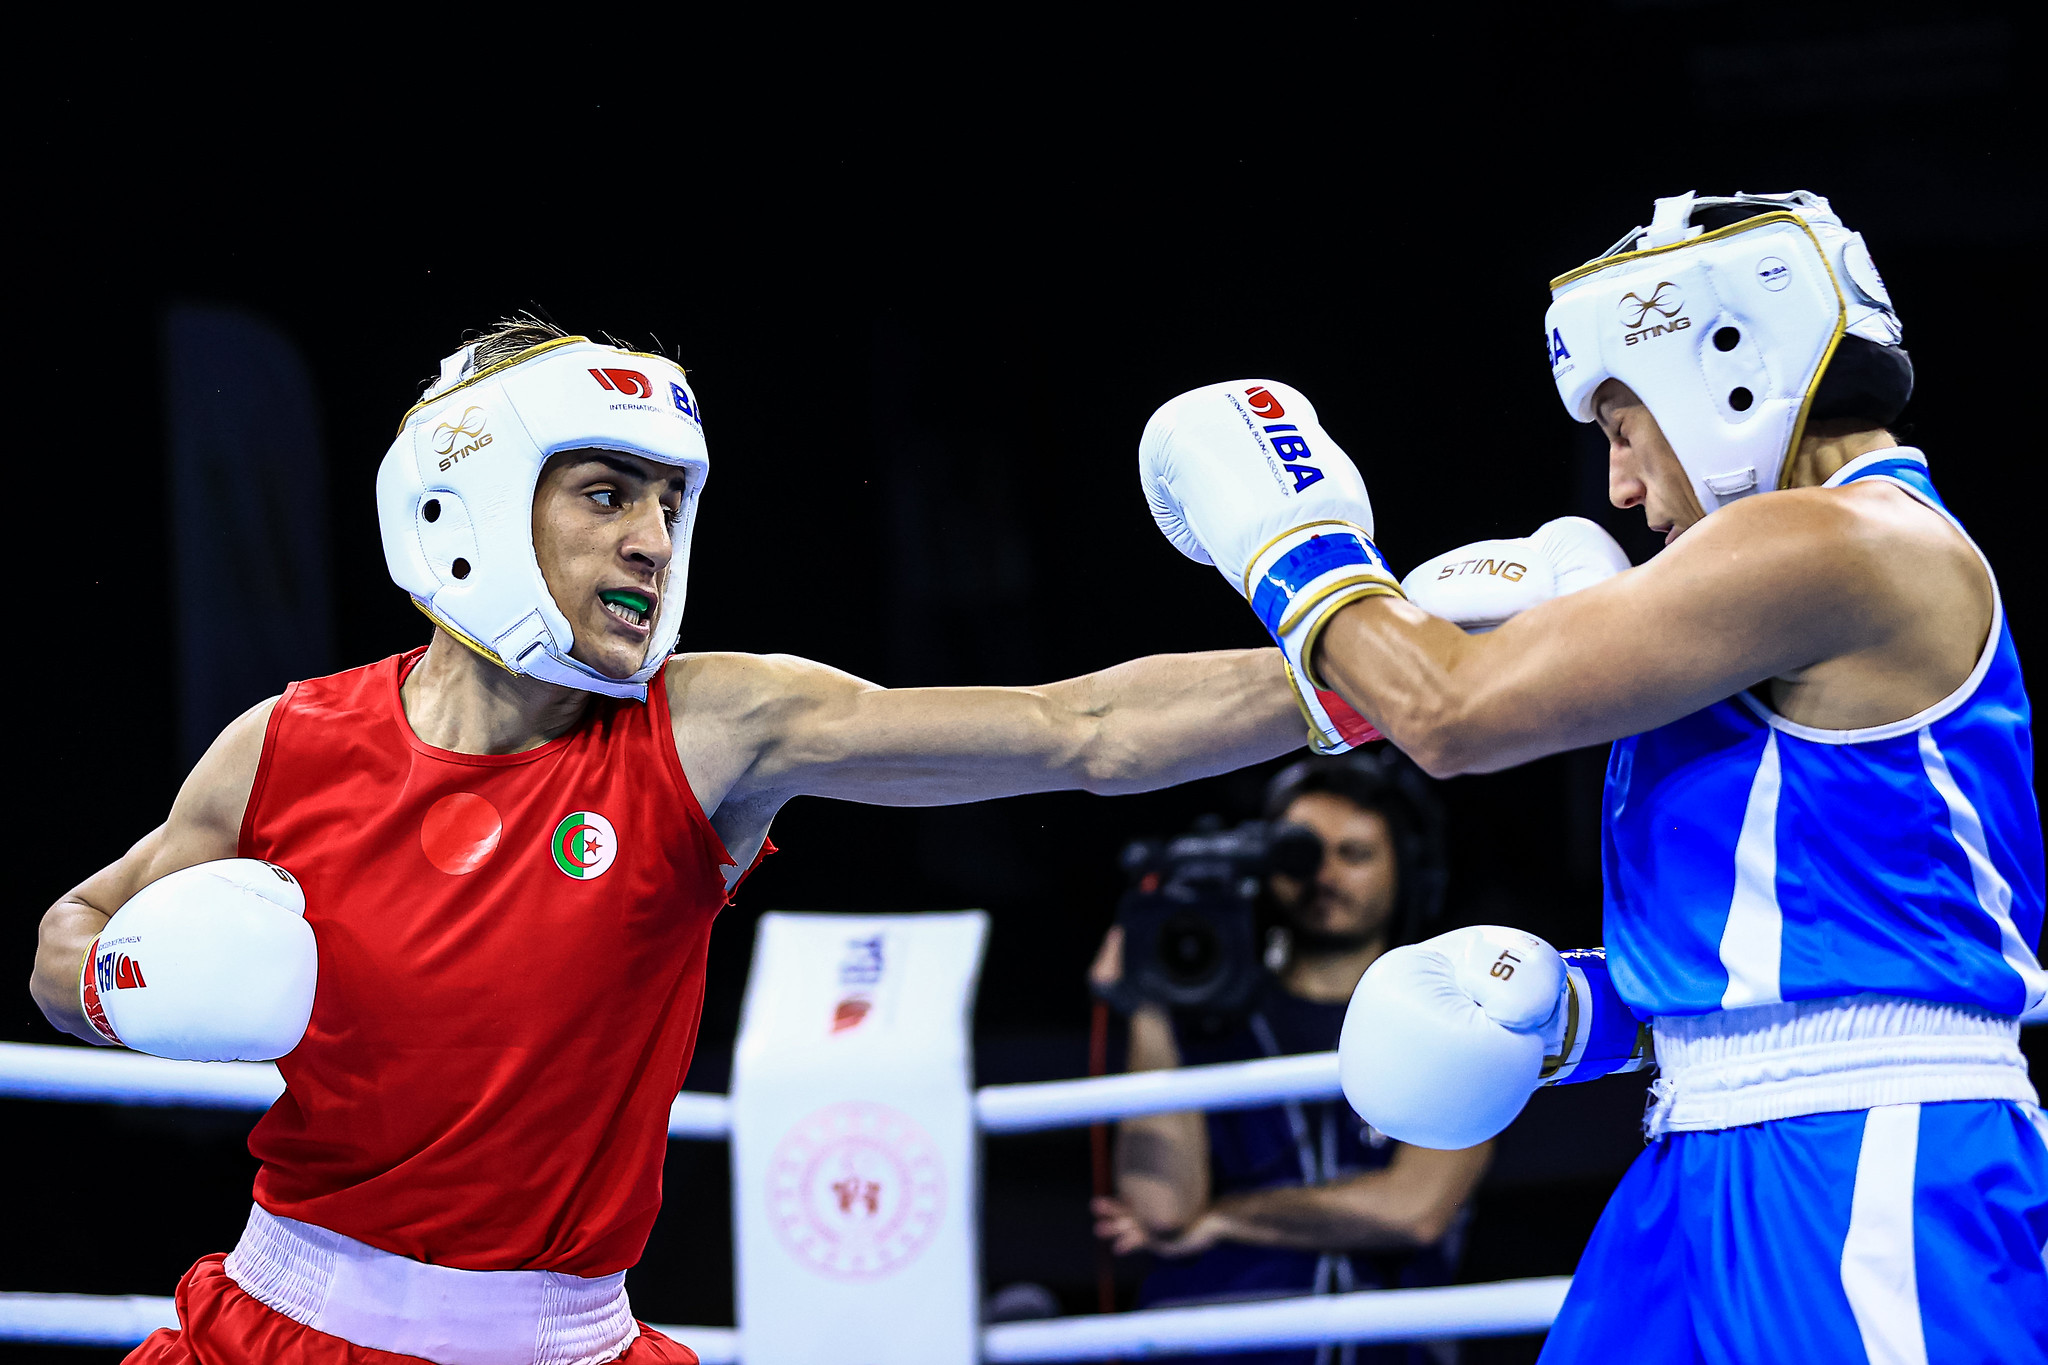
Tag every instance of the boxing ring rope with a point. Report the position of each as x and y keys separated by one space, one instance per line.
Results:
x=30 y=1071
x=1466 y=1310
x=109 y=1076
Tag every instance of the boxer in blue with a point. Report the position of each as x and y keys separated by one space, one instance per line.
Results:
x=1822 y=850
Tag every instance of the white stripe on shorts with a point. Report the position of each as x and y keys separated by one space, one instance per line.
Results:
x=2040 y=1122
x=1877 y=1257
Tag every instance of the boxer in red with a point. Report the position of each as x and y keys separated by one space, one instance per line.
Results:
x=512 y=843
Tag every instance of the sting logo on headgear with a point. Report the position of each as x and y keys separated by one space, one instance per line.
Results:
x=450 y=442
x=1664 y=299
x=1664 y=303
x=631 y=383
x=1264 y=403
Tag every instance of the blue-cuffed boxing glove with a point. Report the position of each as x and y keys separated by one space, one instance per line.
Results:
x=1446 y=1039
x=1243 y=476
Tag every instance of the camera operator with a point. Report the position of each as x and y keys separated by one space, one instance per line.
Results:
x=1301 y=1197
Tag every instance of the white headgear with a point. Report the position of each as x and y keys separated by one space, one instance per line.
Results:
x=1723 y=334
x=455 y=495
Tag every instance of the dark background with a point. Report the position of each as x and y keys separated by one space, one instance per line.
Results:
x=929 y=281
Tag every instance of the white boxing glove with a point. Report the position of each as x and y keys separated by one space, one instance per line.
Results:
x=1481 y=585
x=213 y=963
x=1243 y=476
x=1445 y=1039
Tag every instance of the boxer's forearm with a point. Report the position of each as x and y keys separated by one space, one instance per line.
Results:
x=1162 y=1160
x=1566 y=674
x=1148 y=723
x=1365 y=1213
x=1418 y=679
x=67 y=930
x=1761 y=590
x=1171 y=718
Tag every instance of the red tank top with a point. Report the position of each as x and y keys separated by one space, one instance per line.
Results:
x=511 y=969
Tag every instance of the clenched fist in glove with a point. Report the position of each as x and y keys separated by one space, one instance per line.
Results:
x=1478 y=586
x=1243 y=476
x=1445 y=1040
x=214 y=963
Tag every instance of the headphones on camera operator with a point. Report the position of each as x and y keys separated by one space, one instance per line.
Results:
x=1198 y=911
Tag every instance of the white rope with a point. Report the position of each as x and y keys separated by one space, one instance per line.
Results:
x=116 y=1076
x=83 y=1319
x=1231 y=1085
x=113 y=1075
x=695 y=1114
x=1469 y=1310
x=125 y=1319
x=1465 y=1310
x=29 y=1071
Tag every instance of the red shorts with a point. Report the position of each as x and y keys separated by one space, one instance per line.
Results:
x=221 y=1325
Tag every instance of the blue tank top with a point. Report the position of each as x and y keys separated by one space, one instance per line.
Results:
x=1749 y=860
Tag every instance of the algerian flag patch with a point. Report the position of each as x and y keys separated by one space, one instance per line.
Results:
x=584 y=845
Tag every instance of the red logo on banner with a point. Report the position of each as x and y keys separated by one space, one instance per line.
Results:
x=849 y=1012
x=631 y=383
x=856 y=1190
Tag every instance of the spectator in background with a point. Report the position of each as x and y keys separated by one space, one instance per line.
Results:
x=1303 y=1197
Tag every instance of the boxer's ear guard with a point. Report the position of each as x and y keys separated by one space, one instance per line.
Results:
x=1726 y=334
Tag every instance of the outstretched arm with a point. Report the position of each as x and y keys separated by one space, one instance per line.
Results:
x=813 y=730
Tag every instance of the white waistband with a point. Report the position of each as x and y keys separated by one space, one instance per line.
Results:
x=337 y=1285
x=1766 y=1062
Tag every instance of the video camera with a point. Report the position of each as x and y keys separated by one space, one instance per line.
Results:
x=1190 y=917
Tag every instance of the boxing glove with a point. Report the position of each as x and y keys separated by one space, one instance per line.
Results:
x=1478 y=586
x=212 y=963
x=1445 y=1040
x=1243 y=476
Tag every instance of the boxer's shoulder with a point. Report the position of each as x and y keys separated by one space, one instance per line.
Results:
x=735 y=717
x=756 y=691
x=217 y=790
x=1866 y=540
x=205 y=822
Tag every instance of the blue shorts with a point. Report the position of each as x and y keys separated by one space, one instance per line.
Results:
x=1914 y=1234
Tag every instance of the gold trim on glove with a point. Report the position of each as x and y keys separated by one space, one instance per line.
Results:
x=1376 y=588
x=1302 y=606
x=1571 y=1030
x=1260 y=553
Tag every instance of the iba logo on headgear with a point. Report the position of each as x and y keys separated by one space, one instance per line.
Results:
x=451 y=436
x=584 y=845
x=1664 y=302
x=631 y=383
